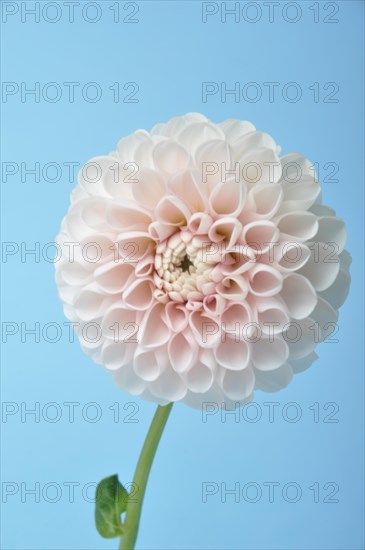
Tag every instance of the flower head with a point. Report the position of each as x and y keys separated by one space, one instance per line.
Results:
x=202 y=263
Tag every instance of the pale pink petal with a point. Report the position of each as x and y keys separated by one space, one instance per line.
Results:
x=112 y=277
x=182 y=350
x=186 y=187
x=233 y=287
x=227 y=199
x=235 y=318
x=228 y=229
x=265 y=280
x=172 y=211
x=128 y=217
x=133 y=245
x=144 y=268
x=214 y=304
x=154 y=331
x=176 y=317
x=260 y=235
x=91 y=304
x=205 y=329
x=139 y=295
x=120 y=325
x=264 y=200
x=160 y=231
x=200 y=223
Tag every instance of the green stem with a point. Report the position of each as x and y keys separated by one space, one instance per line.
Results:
x=134 y=507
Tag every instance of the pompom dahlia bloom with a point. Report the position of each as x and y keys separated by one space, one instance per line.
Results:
x=203 y=264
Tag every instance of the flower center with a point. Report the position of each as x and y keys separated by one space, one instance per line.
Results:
x=181 y=268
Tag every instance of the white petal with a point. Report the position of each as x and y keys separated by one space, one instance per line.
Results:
x=235 y=129
x=322 y=267
x=299 y=295
x=269 y=354
x=259 y=166
x=326 y=317
x=300 y=225
x=331 y=230
x=149 y=188
x=272 y=314
x=90 y=304
x=128 y=145
x=302 y=337
x=232 y=354
x=249 y=142
x=290 y=255
x=337 y=293
x=169 y=385
x=116 y=355
x=212 y=160
x=194 y=135
x=170 y=157
x=199 y=378
x=127 y=379
x=147 y=366
x=238 y=385
x=274 y=380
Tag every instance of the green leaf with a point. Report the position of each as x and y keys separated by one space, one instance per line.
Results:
x=110 y=502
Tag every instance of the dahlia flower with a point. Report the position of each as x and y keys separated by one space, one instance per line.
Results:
x=205 y=264
x=197 y=264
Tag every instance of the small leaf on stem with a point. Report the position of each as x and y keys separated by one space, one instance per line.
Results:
x=110 y=502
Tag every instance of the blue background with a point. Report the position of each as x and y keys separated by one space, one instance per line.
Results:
x=169 y=53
